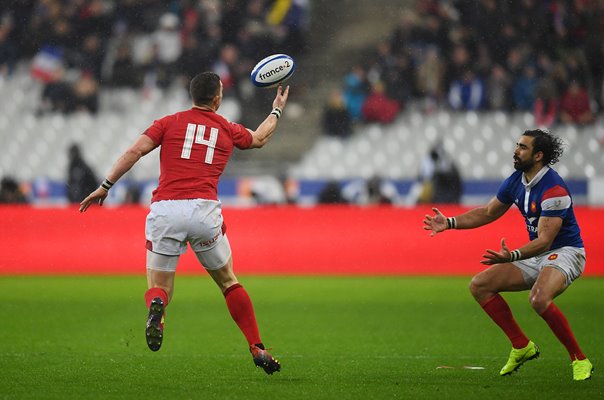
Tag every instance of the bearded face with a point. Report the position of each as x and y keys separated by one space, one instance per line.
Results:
x=524 y=159
x=523 y=165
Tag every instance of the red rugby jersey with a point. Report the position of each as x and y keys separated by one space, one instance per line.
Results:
x=195 y=148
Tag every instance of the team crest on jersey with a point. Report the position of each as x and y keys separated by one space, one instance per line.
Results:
x=533 y=207
x=552 y=256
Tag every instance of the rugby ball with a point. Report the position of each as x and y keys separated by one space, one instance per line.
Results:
x=273 y=70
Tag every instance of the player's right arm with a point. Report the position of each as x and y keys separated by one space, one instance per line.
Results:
x=473 y=218
x=265 y=130
x=125 y=162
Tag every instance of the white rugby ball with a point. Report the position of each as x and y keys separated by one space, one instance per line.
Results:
x=273 y=70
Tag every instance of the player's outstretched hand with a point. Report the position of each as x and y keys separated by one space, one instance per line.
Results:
x=436 y=223
x=492 y=257
x=99 y=195
x=281 y=97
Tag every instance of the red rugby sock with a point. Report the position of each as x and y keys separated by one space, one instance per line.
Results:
x=559 y=325
x=242 y=311
x=156 y=292
x=499 y=311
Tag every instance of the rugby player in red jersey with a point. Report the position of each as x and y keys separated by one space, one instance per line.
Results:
x=195 y=146
x=552 y=259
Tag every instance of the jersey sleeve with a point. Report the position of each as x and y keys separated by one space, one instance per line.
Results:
x=555 y=202
x=242 y=138
x=504 y=194
x=156 y=131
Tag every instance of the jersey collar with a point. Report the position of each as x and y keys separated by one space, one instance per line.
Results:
x=536 y=179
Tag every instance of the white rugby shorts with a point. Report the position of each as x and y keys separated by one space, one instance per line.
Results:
x=172 y=224
x=568 y=260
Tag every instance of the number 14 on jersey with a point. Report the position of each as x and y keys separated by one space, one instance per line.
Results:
x=195 y=134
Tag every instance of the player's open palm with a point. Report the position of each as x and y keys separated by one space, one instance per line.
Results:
x=281 y=97
x=493 y=257
x=436 y=223
x=99 y=195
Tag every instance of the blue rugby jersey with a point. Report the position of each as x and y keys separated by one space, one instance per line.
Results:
x=546 y=195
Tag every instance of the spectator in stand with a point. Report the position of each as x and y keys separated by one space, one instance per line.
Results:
x=90 y=57
x=467 y=93
x=331 y=194
x=499 y=90
x=430 y=79
x=355 y=91
x=378 y=107
x=86 y=94
x=81 y=180
x=546 y=103
x=595 y=55
x=8 y=53
x=438 y=180
x=460 y=62
x=336 y=120
x=168 y=48
x=233 y=16
x=380 y=192
x=83 y=33
x=575 y=105
x=10 y=192
x=373 y=191
x=523 y=91
x=406 y=32
x=289 y=20
x=194 y=57
x=515 y=61
x=227 y=68
x=57 y=95
x=124 y=73
x=559 y=76
x=399 y=79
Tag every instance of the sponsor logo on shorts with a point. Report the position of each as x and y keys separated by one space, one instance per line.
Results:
x=209 y=242
x=552 y=256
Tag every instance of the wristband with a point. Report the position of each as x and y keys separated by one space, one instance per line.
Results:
x=276 y=112
x=451 y=223
x=106 y=185
x=515 y=255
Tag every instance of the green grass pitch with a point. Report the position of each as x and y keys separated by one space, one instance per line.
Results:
x=336 y=337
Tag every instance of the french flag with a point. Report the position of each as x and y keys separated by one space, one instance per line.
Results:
x=46 y=63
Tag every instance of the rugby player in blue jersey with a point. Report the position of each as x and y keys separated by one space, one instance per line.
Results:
x=546 y=265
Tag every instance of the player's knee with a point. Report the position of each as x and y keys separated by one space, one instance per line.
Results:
x=539 y=302
x=477 y=285
x=227 y=283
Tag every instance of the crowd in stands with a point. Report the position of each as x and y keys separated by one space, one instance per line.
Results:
x=79 y=46
x=544 y=57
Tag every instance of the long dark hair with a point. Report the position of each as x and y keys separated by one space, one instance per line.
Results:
x=550 y=145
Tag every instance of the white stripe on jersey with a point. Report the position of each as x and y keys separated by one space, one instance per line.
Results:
x=556 y=203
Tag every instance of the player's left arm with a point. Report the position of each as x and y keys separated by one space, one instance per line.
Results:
x=547 y=228
x=143 y=145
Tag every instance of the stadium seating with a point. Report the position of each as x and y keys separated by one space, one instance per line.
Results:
x=480 y=143
x=35 y=146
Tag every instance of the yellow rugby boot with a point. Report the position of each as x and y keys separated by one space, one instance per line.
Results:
x=582 y=370
x=519 y=357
